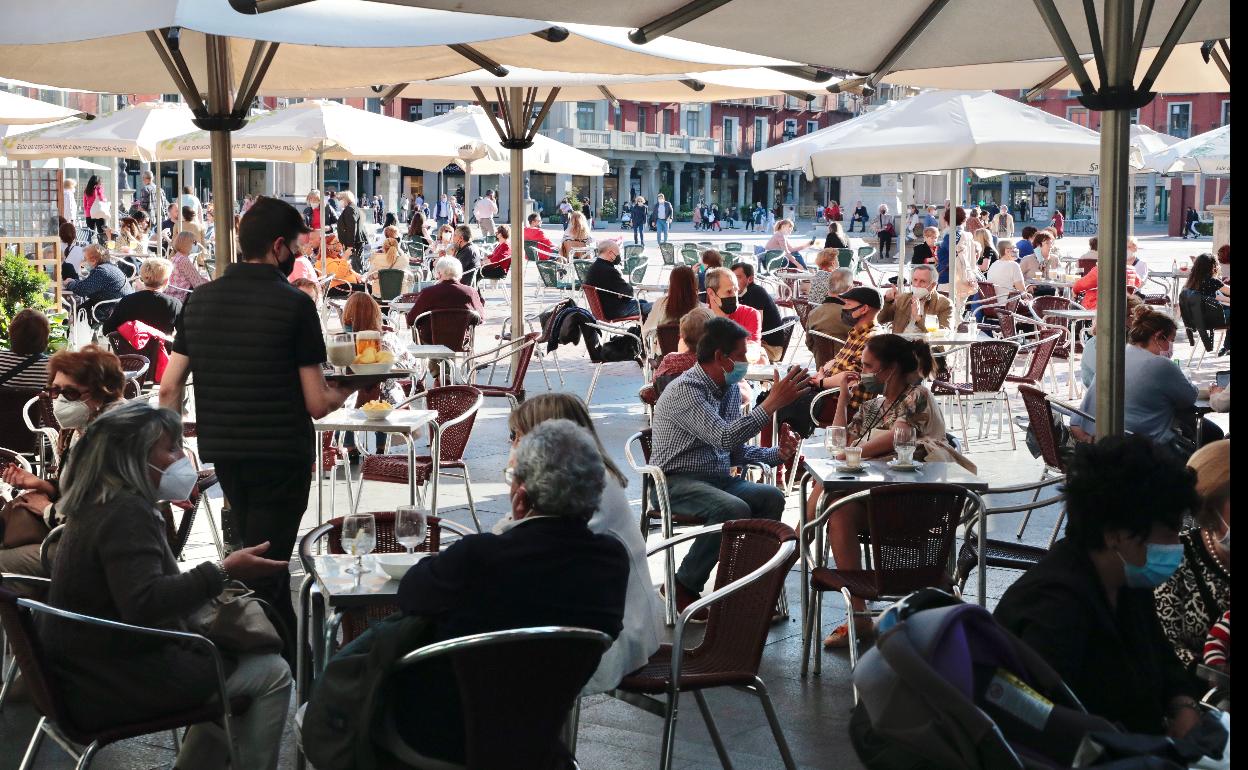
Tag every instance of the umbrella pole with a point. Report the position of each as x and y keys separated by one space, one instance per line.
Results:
x=222 y=153
x=320 y=170
x=906 y=182
x=516 y=182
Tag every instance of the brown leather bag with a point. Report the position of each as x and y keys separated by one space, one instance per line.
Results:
x=21 y=524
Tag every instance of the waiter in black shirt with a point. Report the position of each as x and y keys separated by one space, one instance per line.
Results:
x=756 y=296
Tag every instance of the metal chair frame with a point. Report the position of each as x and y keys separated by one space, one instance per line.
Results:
x=524 y=347
x=982 y=397
x=974 y=534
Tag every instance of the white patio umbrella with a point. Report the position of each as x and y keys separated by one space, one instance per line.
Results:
x=1208 y=153
x=21 y=110
x=546 y=155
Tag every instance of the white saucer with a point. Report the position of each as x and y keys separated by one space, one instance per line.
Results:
x=898 y=466
x=842 y=468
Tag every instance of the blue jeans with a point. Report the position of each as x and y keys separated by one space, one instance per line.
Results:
x=661 y=226
x=797 y=256
x=717 y=499
x=639 y=233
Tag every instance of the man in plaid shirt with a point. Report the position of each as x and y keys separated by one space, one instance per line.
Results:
x=700 y=435
x=860 y=305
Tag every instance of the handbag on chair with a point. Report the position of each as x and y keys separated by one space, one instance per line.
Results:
x=238 y=622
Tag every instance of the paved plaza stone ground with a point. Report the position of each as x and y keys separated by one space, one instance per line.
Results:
x=813 y=710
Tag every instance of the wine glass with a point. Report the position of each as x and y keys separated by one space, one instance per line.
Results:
x=341 y=351
x=409 y=526
x=903 y=442
x=359 y=537
x=836 y=441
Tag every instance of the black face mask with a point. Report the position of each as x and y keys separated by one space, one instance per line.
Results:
x=847 y=318
x=287 y=266
x=728 y=305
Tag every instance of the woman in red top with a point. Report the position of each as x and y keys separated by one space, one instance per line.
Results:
x=499 y=262
x=1087 y=286
x=1059 y=222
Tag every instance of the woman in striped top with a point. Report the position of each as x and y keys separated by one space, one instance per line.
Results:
x=25 y=365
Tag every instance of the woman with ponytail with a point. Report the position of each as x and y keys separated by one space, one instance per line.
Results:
x=893 y=373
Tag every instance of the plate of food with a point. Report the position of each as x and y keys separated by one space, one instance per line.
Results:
x=373 y=361
x=376 y=410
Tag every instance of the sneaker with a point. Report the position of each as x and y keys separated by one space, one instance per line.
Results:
x=685 y=597
x=839 y=638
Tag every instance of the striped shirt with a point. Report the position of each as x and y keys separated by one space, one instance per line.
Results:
x=699 y=429
x=33 y=376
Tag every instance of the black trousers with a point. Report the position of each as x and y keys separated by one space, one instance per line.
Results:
x=267 y=500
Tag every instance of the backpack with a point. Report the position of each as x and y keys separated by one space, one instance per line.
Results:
x=343 y=710
x=621 y=348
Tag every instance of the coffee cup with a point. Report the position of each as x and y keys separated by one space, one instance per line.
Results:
x=853 y=457
x=905 y=455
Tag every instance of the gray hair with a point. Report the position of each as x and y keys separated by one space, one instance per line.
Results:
x=101 y=254
x=931 y=269
x=347 y=197
x=602 y=246
x=561 y=469
x=448 y=269
x=716 y=276
x=842 y=278
x=111 y=457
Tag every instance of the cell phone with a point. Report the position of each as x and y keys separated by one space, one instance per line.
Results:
x=1223 y=379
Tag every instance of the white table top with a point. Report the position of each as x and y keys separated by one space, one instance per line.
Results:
x=1073 y=314
x=435 y=352
x=878 y=473
x=951 y=340
x=406 y=421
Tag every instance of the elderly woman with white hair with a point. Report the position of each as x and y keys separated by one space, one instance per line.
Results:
x=149 y=305
x=448 y=293
x=114 y=562
x=548 y=568
x=105 y=280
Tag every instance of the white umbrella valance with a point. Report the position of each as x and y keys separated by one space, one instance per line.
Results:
x=135 y=132
x=546 y=155
x=1209 y=153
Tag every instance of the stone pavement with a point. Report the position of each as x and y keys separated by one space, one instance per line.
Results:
x=814 y=711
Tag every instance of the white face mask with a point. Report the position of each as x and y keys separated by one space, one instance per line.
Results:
x=921 y=293
x=72 y=415
x=177 y=481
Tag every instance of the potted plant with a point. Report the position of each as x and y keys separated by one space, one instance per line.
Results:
x=22 y=285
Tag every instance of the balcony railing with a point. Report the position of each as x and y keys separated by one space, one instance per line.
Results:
x=635 y=141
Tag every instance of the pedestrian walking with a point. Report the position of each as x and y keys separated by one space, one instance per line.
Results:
x=638 y=216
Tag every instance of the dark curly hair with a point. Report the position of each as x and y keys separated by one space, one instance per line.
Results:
x=1126 y=483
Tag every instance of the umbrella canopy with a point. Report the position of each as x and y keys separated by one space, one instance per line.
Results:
x=1208 y=153
x=710 y=86
x=330 y=44
x=1185 y=72
x=135 y=132
x=797 y=29
x=1146 y=141
x=298 y=133
x=546 y=155
x=20 y=110
x=941 y=130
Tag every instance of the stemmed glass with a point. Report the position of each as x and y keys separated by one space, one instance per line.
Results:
x=904 y=442
x=409 y=526
x=836 y=441
x=359 y=537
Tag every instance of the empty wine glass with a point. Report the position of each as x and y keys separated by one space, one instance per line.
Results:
x=359 y=537
x=836 y=441
x=903 y=442
x=409 y=526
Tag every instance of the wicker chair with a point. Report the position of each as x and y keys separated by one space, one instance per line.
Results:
x=134 y=366
x=522 y=349
x=47 y=694
x=755 y=555
x=13 y=422
x=1004 y=554
x=990 y=365
x=910 y=530
x=668 y=252
x=1040 y=354
x=1043 y=425
x=457 y=407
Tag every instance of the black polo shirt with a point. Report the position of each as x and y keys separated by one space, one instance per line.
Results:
x=247 y=334
x=756 y=296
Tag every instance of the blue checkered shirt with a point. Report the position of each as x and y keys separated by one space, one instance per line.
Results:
x=698 y=428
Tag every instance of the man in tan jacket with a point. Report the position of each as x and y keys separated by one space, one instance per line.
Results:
x=906 y=309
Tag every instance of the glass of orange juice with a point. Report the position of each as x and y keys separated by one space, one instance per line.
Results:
x=366 y=341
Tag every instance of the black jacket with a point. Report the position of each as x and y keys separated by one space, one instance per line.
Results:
x=604 y=275
x=756 y=296
x=469 y=258
x=638 y=214
x=247 y=334
x=1118 y=663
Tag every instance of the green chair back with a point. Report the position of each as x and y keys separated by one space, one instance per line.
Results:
x=668 y=251
x=631 y=263
x=733 y=246
x=845 y=257
x=390 y=283
x=633 y=250
x=691 y=256
x=582 y=268
x=548 y=271
x=773 y=260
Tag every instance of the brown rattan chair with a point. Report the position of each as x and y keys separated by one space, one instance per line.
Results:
x=453 y=327
x=522 y=350
x=1040 y=354
x=595 y=305
x=149 y=354
x=48 y=695
x=134 y=366
x=755 y=555
x=910 y=535
x=990 y=366
x=668 y=337
x=457 y=407
x=16 y=434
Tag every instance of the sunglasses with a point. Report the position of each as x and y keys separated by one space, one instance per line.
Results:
x=70 y=394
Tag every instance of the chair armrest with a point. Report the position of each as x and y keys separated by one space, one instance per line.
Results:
x=1070 y=409
x=1028 y=487
x=784 y=325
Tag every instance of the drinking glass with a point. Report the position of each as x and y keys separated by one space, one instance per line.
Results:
x=409 y=526
x=359 y=537
x=340 y=350
x=931 y=323
x=903 y=441
x=836 y=441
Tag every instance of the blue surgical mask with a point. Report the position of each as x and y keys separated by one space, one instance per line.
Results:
x=871 y=383
x=737 y=373
x=1161 y=561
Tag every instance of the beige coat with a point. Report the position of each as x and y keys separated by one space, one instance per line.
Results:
x=899 y=310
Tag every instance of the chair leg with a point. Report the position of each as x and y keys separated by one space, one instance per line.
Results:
x=1009 y=417
x=554 y=354
x=669 y=730
x=213 y=528
x=1057 y=528
x=10 y=674
x=965 y=418
x=541 y=361
x=472 y=506
x=808 y=634
x=760 y=690
x=32 y=749
x=88 y=754
x=816 y=629
x=1027 y=515
x=716 y=740
x=589 y=397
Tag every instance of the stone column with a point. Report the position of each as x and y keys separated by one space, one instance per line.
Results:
x=740 y=192
x=771 y=190
x=706 y=183
x=1005 y=191
x=625 y=170
x=652 y=181
x=597 y=196
x=678 y=168
x=1052 y=196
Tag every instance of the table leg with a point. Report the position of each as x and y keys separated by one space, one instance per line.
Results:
x=320 y=481
x=411 y=469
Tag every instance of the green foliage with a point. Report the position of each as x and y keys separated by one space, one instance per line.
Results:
x=574 y=197
x=22 y=285
x=609 y=210
x=684 y=215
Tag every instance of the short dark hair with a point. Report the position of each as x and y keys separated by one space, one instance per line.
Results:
x=1028 y=232
x=534 y=217
x=1128 y=483
x=721 y=335
x=746 y=269
x=464 y=232
x=267 y=220
x=29 y=332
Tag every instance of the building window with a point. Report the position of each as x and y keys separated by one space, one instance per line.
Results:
x=441 y=108
x=171 y=97
x=586 y=116
x=1226 y=112
x=619 y=118
x=760 y=134
x=871 y=180
x=1078 y=115
x=730 y=136
x=812 y=126
x=693 y=123
x=413 y=112
x=1135 y=116
x=790 y=129
x=1180 y=120
x=641 y=119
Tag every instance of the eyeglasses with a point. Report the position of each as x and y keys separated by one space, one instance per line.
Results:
x=70 y=394
x=511 y=436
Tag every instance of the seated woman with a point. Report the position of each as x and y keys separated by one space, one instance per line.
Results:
x=1087 y=606
x=25 y=363
x=1005 y=273
x=499 y=260
x=779 y=241
x=1085 y=289
x=104 y=282
x=925 y=250
x=71 y=251
x=442 y=245
x=1042 y=257
x=552 y=570
x=692 y=325
x=639 y=638
x=338 y=265
x=150 y=305
x=1192 y=600
x=1133 y=259
x=114 y=562
x=681 y=297
x=987 y=252
x=418 y=228
x=836 y=239
x=826 y=261
x=188 y=273
x=1159 y=399
x=893 y=370
x=130 y=237
x=389 y=258
x=577 y=239
x=1203 y=279
x=84 y=383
